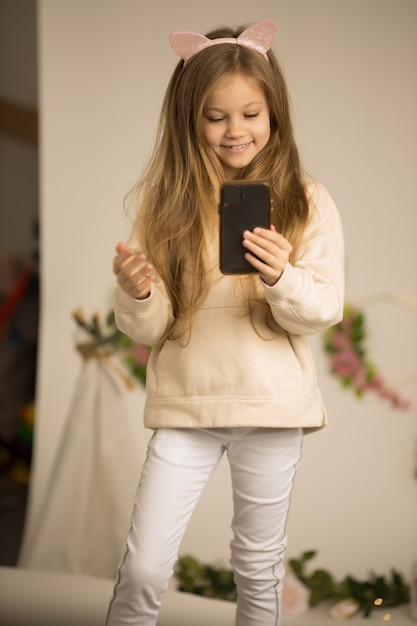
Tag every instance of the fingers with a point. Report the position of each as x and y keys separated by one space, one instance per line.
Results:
x=121 y=246
x=268 y=252
x=134 y=274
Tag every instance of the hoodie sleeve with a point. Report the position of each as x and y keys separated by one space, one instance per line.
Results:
x=309 y=296
x=144 y=321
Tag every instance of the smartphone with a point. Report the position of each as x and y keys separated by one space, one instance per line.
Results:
x=243 y=206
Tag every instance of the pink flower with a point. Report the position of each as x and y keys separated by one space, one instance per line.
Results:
x=346 y=363
x=377 y=381
x=344 y=342
x=295 y=595
x=348 y=319
x=361 y=380
x=339 y=341
x=139 y=353
x=399 y=402
x=344 y=609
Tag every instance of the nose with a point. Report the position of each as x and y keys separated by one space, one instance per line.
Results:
x=234 y=128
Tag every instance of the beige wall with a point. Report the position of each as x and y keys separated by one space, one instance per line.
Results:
x=351 y=69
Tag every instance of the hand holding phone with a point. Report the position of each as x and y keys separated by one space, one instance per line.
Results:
x=244 y=205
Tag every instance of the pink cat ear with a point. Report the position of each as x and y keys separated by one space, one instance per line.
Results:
x=186 y=44
x=259 y=37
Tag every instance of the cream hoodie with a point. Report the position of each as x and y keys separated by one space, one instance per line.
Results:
x=227 y=375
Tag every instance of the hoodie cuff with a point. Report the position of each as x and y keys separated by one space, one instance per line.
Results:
x=139 y=308
x=287 y=288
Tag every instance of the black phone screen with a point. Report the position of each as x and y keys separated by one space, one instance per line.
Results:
x=243 y=206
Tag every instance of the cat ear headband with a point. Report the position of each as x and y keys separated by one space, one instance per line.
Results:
x=259 y=37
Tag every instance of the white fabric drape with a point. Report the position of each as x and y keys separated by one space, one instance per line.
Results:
x=86 y=512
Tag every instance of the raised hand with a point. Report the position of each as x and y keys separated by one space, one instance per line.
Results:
x=133 y=272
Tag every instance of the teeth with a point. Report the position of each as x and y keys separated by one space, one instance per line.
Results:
x=237 y=147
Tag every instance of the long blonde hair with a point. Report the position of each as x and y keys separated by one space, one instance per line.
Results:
x=176 y=198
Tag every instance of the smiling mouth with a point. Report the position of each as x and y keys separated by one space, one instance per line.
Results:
x=238 y=148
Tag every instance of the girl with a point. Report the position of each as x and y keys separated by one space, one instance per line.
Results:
x=231 y=370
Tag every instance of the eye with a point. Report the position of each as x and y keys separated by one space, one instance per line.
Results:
x=215 y=120
x=251 y=116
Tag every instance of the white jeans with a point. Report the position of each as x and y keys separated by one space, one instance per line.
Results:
x=178 y=465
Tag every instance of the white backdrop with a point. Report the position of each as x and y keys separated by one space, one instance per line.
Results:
x=351 y=69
